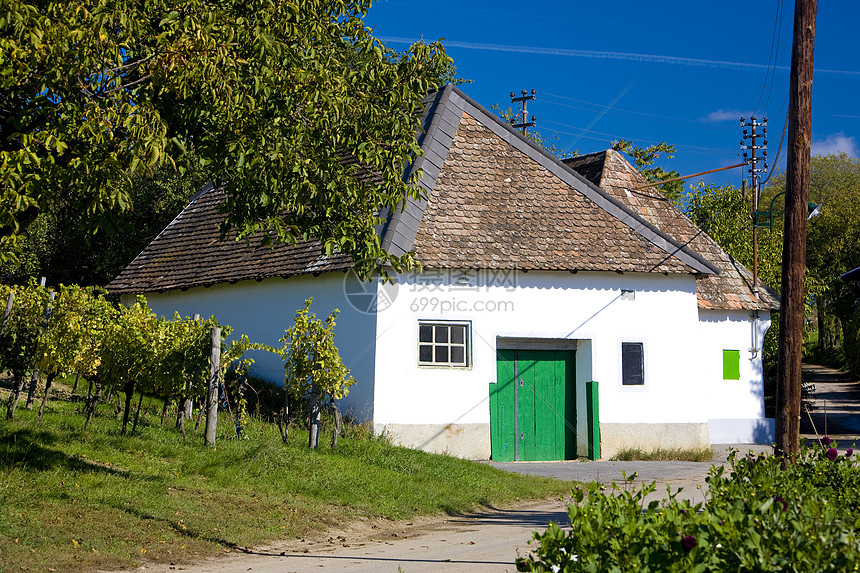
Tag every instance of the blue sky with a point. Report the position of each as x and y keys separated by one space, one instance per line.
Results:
x=681 y=72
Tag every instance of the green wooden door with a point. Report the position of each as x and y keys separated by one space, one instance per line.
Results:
x=532 y=407
x=502 y=399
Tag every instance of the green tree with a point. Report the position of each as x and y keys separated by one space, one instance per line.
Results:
x=833 y=246
x=288 y=103
x=643 y=159
x=66 y=247
x=725 y=215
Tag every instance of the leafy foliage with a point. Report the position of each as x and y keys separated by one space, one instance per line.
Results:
x=71 y=249
x=535 y=135
x=643 y=159
x=122 y=349
x=833 y=248
x=283 y=101
x=762 y=516
x=20 y=343
x=725 y=215
x=311 y=358
x=314 y=368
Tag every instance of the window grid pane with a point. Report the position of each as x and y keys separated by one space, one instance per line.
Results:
x=425 y=353
x=425 y=333
x=458 y=334
x=443 y=344
x=441 y=333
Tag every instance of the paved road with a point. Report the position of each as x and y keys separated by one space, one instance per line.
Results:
x=486 y=541
x=835 y=406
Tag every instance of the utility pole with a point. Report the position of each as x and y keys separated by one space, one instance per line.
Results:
x=751 y=159
x=794 y=245
x=523 y=100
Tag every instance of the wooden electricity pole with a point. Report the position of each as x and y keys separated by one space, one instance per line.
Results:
x=794 y=245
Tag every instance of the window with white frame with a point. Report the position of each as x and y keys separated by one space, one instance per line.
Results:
x=443 y=343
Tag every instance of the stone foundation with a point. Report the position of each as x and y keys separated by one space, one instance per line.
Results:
x=469 y=441
x=648 y=437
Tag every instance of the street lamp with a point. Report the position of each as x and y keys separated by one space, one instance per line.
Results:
x=765 y=218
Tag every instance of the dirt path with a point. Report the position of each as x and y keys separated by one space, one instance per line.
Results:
x=491 y=540
x=835 y=406
x=486 y=541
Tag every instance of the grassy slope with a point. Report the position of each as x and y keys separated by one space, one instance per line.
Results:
x=74 y=500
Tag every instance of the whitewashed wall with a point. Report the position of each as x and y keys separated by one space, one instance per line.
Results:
x=735 y=407
x=263 y=310
x=684 y=401
x=437 y=407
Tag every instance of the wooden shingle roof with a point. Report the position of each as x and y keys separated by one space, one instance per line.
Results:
x=493 y=200
x=731 y=289
x=189 y=253
x=494 y=207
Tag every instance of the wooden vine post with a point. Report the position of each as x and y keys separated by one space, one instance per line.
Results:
x=188 y=406
x=212 y=395
x=37 y=373
x=314 y=433
x=9 y=304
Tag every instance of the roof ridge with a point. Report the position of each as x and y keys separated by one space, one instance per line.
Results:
x=398 y=235
x=701 y=234
x=585 y=155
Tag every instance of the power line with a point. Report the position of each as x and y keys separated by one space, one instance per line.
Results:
x=609 y=136
x=640 y=113
x=775 y=56
x=778 y=150
x=771 y=59
x=775 y=163
x=708 y=172
x=601 y=114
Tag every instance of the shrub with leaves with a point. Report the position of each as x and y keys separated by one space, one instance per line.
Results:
x=70 y=342
x=758 y=516
x=20 y=343
x=314 y=368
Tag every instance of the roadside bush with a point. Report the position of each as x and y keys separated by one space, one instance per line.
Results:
x=758 y=516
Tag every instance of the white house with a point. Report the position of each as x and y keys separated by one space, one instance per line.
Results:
x=561 y=311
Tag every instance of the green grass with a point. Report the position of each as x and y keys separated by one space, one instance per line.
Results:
x=72 y=500
x=665 y=455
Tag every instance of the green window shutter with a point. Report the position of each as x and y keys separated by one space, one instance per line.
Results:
x=731 y=364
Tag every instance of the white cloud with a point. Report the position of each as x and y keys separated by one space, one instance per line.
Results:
x=836 y=143
x=726 y=115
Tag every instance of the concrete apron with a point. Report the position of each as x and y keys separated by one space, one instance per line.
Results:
x=687 y=476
